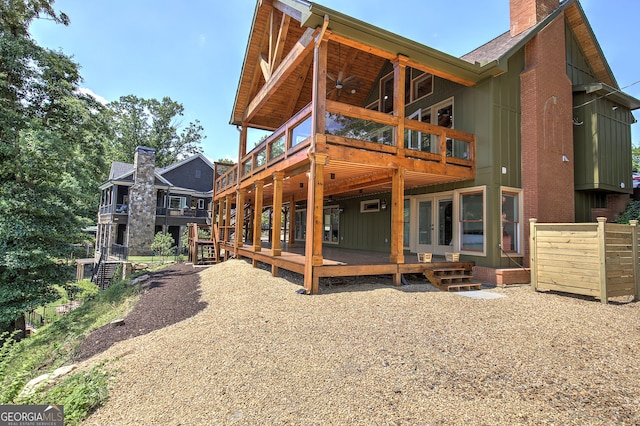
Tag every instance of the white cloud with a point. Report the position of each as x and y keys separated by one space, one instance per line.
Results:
x=86 y=91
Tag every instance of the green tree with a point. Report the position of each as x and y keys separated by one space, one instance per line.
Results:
x=163 y=245
x=635 y=157
x=47 y=160
x=156 y=124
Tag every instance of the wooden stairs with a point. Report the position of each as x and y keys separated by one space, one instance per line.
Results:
x=451 y=277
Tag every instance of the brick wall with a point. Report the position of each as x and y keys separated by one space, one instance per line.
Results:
x=547 y=133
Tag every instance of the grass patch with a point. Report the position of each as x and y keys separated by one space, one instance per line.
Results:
x=54 y=345
x=80 y=394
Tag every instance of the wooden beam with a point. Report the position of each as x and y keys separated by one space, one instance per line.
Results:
x=288 y=10
x=319 y=91
x=391 y=56
x=257 y=215
x=360 y=46
x=238 y=240
x=295 y=57
x=313 y=240
x=399 y=80
x=264 y=66
x=277 y=214
x=227 y=223
x=242 y=146
x=279 y=47
x=363 y=181
x=220 y=213
x=397 y=218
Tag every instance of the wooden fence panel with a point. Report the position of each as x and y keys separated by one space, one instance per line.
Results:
x=592 y=259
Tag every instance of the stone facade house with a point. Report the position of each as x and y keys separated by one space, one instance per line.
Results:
x=139 y=200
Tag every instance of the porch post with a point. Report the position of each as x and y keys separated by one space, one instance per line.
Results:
x=319 y=92
x=242 y=147
x=397 y=218
x=257 y=216
x=292 y=222
x=276 y=235
x=399 y=79
x=220 y=217
x=227 y=224
x=238 y=241
x=313 y=241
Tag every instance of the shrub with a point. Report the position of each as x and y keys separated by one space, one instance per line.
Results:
x=632 y=212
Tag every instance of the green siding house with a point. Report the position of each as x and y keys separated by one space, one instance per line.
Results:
x=383 y=144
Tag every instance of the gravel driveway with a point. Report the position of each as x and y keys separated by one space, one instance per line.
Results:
x=259 y=353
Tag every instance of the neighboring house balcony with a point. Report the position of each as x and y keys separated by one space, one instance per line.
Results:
x=181 y=212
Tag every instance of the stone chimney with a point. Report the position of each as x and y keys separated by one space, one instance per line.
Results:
x=142 y=203
x=526 y=13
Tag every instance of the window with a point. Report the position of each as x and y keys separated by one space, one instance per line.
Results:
x=407 y=222
x=198 y=173
x=177 y=202
x=510 y=238
x=373 y=106
x=331 y=224
x=301 y=225
x=369 y=206
x=418 y=140
x=422 y=86
x=386 y=93
x=301 y=132
x=472 y=221
x=201 y=204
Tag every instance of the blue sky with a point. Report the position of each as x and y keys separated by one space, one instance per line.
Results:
x=193 y=51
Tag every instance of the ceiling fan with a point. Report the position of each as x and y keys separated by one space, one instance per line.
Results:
x=340 y=83
x=350 y=84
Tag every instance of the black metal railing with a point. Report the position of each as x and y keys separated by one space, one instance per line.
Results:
x=119 y=251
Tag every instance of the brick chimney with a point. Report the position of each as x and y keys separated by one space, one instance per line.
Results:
x=526 y=13
x=142 y=203
x=546 y=100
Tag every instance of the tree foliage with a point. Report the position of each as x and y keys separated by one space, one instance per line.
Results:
x=52 y=140
x=635 y=157
x=163 y=244
x=153 y=123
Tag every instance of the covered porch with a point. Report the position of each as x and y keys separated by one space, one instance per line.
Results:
x=332 y=91
x=340 y=262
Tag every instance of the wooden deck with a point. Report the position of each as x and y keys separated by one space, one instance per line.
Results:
x=339 y=262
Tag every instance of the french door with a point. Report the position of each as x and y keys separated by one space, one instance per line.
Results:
x=434 y=224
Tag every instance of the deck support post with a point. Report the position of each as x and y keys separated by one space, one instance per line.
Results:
x=239 y=240
x=220 y=217
x=397 y=219
x=313 y=241
x=292 y=222
x=257 y=217
x=276 y=226
x=227 y=224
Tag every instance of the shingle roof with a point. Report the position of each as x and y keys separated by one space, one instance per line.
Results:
x=118 y=169
x=496 y=48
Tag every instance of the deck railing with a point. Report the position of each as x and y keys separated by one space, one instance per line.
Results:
x=359 y=128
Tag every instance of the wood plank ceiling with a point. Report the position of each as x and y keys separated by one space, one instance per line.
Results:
x=274 y=36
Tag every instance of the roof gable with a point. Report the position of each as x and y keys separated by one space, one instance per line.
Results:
x=504 y=46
